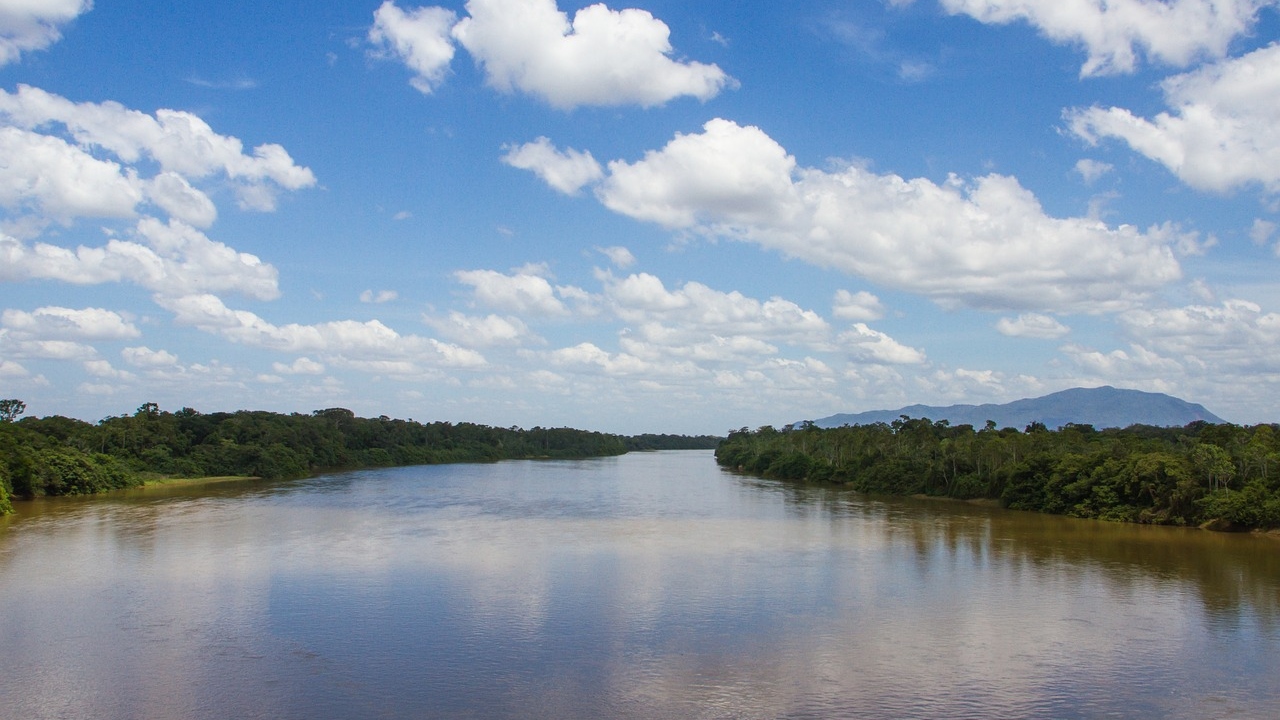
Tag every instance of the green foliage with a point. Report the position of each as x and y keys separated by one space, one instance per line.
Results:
x=651 y=441
x=6 y=490
x=11 y=409
x=64 y=456
x=792 y=465
x=1252 y=506
x=66 y=471
x=1221 y=474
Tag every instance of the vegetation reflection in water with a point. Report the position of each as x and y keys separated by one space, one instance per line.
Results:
x=1233 y=576
x=650 y=585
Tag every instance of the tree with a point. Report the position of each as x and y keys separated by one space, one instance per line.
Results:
x=1223 y=473
x=11 y=409
x=1213 y=464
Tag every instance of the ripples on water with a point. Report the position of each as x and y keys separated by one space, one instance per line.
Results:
x=647 y=586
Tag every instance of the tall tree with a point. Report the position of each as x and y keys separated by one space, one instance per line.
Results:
x=11 y=409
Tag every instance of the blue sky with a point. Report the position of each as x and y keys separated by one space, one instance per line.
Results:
x=647 y=217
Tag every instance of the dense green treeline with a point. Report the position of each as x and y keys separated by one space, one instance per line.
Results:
x=63 y=456
x=650 y=441
x=1225 y=476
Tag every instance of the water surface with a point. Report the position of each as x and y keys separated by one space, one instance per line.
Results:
x=652 y=585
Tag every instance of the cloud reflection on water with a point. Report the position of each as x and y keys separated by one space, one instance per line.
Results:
x=647 y=586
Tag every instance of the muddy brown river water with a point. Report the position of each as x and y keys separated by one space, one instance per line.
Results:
x=653 y=585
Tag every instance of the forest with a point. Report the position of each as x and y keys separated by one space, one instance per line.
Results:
x=1220 y=476
x=58 y=455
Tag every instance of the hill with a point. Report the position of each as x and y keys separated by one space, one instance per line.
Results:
x=1102 y=407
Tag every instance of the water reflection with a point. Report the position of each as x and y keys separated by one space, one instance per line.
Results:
x=1234 y=576
x=651 y=585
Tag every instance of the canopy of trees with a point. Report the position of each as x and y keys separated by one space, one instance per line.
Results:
x=1224 y=476
x=63 y=456
x=672 y=442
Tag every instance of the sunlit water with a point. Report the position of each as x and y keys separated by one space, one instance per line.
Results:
x=647 y=586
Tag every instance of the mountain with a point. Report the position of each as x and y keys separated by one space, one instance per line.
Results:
x=1102 y=407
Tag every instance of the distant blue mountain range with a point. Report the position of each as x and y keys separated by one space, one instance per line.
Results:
x=1101 y=407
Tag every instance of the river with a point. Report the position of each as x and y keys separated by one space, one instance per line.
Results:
x=652 y=585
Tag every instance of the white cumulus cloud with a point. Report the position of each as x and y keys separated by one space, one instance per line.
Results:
x=419 y=37
x=105 y=370
x=859 y=306
x=14 y=346
x=60 y=323
x=654 y=342
x=54 y=179
x=169 y=258
x=1228 y=351
x=177 y=141
x=874 y=346
x=1236 y=336
x=727 y=176
x=347 y=342
x=475 y=331
x=619 y=256
x=588 y=357
x=984 y=243
x=703 y=311
x=301 y=366
x=27 y=25
x=145 y=357
x=1221 y=131
x=1091 y=170
x=567 y=171
x=1133 y=367
x=524 y=292
x=601 y=57
x=1113 y=32
x=172 y=193
x=1032 y=325
x=11 y=369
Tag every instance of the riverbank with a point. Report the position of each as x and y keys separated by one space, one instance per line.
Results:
x=981 y=502
x=1217 y=477
x=54 y=456
x=164 y=482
